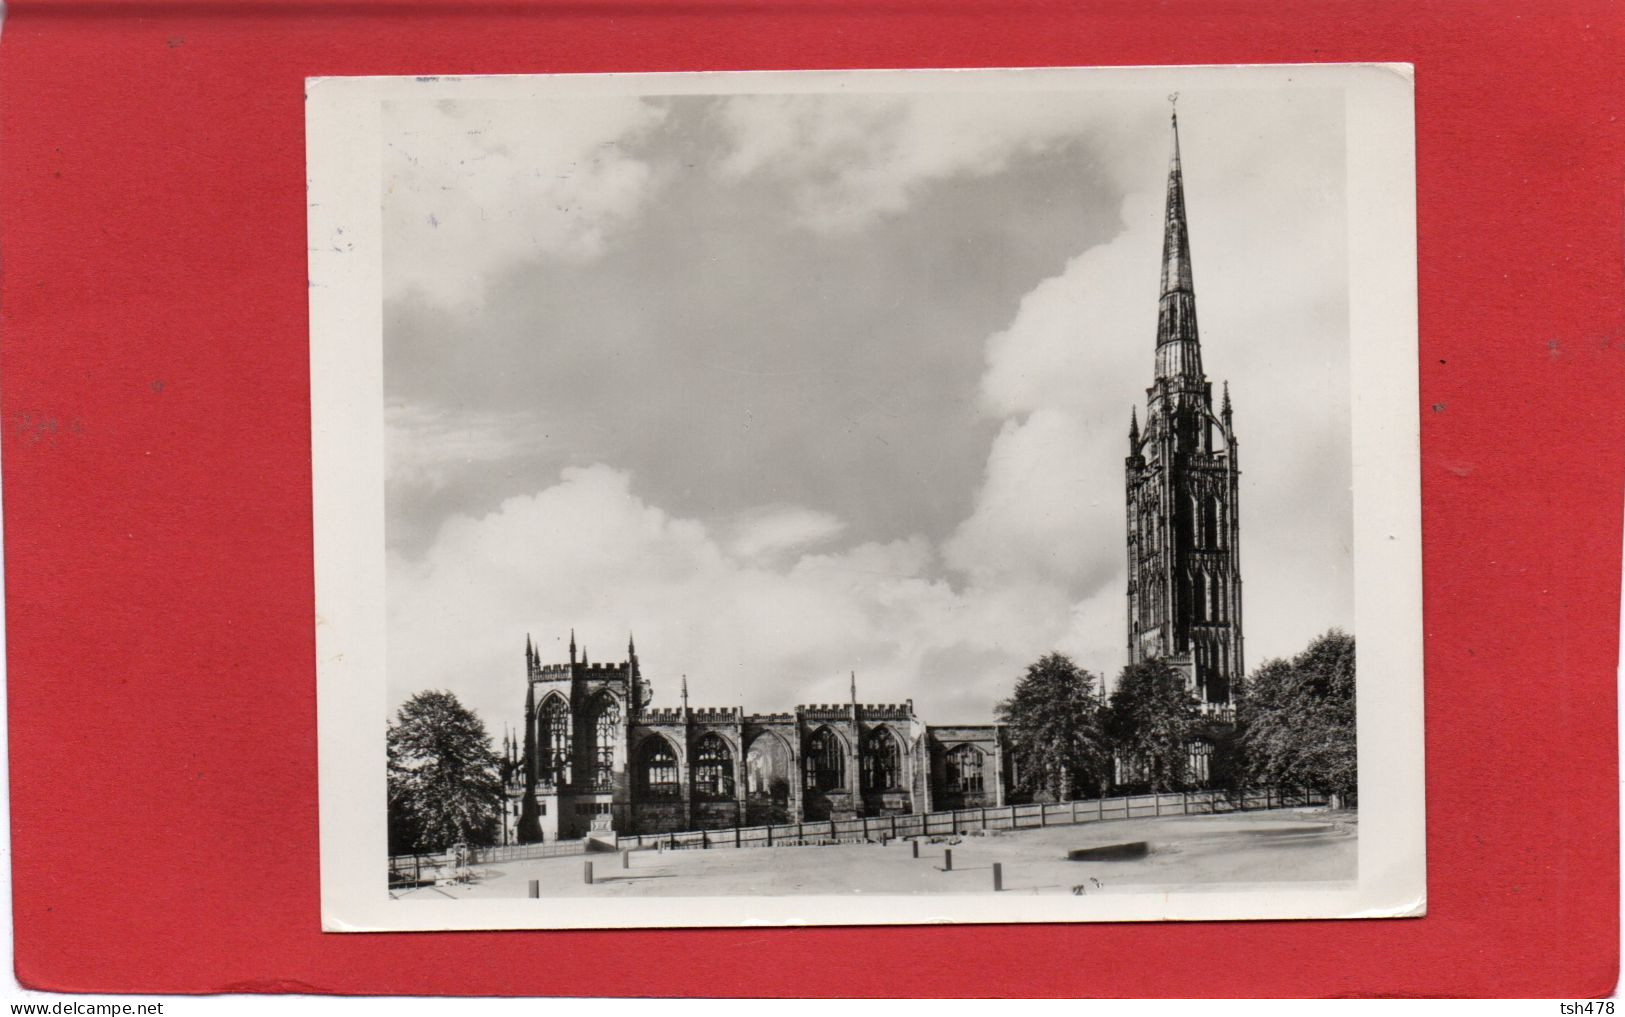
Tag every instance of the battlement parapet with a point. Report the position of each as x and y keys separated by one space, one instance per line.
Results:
x=825 y=709
x=717 y=715
x=661 y=716
x=886 y=711
x=770 y=718
x=556 y=671
x=707 y=715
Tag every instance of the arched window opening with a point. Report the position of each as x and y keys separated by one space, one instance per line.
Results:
x=1199 y=762
x=605 y=720
x=882 y=761
x=1199 y=596
x=553 y=742
x=825 y=761
x=1210 y=522
x=714 y=768
x=1215 y=593
x=657 y=768
x=962 y=769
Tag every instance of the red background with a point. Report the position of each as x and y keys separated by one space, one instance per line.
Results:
x=157 y=495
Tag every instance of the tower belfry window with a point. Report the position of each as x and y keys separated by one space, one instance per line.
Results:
x=1210 y=522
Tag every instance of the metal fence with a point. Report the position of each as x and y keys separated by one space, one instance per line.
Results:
x=961 y=821
x=415 y=870
x=418 y=870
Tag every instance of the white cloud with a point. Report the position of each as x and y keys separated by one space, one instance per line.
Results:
x=1036 y=516
x=475 y=187
x=762 y=534
x=588 y=553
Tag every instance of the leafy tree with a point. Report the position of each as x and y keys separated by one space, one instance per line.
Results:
x=444 y=784
x=1298 y=719
x=1055 y=732
x=1151 y=721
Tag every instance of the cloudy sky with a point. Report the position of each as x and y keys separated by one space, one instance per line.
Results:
x=797 y=385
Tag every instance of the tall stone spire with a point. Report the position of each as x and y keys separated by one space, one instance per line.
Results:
x=1179 y=352
x=1184 y=575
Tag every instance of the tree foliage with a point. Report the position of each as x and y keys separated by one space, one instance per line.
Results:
x=1055 y=732
x=1298 y=719
x=1151 y=721
x=444 y=783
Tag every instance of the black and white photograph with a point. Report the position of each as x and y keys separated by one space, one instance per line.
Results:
x=866 y=497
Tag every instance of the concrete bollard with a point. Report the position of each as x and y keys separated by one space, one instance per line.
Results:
x=947 y=859
x=916 y=845
x=535 y=889
x=586 y=873
x=626 y=859
x=998 y=877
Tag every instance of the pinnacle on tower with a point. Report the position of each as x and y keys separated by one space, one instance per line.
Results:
x=854 y=675
x=572 y=645
x=1133 y=431
x=685 y=693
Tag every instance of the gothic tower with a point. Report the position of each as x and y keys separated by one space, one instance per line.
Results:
x=1184 y=574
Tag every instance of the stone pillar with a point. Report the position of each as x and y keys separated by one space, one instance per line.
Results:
x=741 y=777
x=854 y=780
x=998 y=767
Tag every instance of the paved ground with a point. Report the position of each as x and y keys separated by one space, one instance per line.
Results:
x=1233 y=851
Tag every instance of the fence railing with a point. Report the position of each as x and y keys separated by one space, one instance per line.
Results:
x=412 y=870
x=415 y=870
x=961 y=821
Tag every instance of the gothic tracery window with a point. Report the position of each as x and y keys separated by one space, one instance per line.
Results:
x=825 y=761
x=553 y=742
x=657 y=768
x=962 y=769
x=882 y=761
x=714 y=768
x=606 y=723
